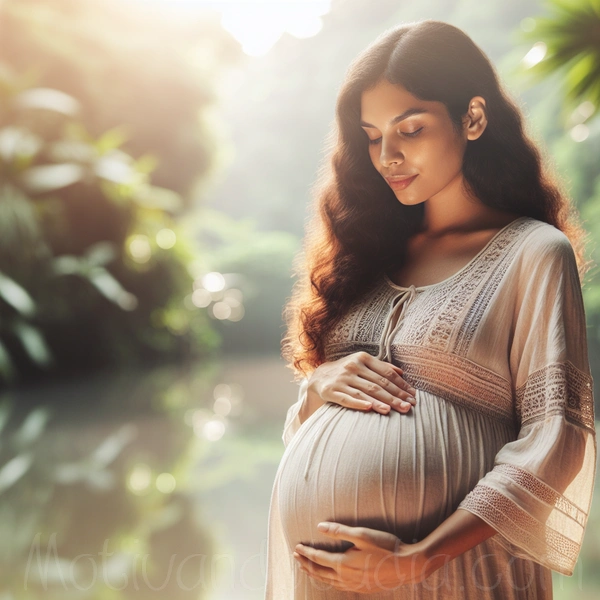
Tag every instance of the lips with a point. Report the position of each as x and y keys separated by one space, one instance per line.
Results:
x=400 y=182
x=391 y=178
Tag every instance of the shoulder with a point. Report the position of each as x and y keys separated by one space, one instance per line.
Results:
x=544 y=244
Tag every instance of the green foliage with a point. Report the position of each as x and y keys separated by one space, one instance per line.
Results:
x=255 y=262
x=128 y=64
x=90 y=249
x=572 y=49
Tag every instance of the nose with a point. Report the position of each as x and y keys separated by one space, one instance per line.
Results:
x=390 y=152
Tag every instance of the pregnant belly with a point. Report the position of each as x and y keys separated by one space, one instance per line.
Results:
x=401 y=473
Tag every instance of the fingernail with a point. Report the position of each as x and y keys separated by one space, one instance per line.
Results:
x=323 y=526
x=411 y=399
x=412 y=390
x=404 y=404
x=296 y=555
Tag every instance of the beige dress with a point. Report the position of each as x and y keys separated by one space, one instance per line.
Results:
x=503 y=427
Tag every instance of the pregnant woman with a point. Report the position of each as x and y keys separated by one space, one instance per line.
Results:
x=443 y=442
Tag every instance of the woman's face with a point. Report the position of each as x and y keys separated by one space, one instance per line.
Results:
x=411 y=137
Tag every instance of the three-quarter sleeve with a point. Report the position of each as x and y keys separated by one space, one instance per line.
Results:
x=538 y=494
x=292 y=421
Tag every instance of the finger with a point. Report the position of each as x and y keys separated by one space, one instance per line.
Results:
x=315 y=569
x=388 y=370
x=387 y=375
x=362 y=537
x=352 y=397
x=331 y=560
x=331 y=580
x=359 y=401
x=339 y=531
x=379 y=386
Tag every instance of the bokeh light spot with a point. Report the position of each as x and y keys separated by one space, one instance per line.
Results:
x=139 y=478
x=213 y=282
x=166 y=239
x=139 y=248
x=165 y=483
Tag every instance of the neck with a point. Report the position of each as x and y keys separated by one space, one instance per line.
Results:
x=452 y=210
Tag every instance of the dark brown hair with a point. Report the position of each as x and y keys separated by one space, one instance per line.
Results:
x=358 y=230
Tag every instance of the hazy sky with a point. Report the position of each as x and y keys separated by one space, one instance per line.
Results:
x=258 y=24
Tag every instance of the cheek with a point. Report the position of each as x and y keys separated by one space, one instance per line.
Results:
x=439 y=159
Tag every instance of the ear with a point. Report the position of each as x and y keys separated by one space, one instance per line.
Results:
x=475 y=119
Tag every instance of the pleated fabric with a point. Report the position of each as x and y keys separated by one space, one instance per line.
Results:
x=400 y=473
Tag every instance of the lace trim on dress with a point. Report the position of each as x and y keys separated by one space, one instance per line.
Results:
x=362 y=321
x=456 y=379
x=542 y=491
x=440 y=305
x=472 y=291
x=557 y=389
x=518 y=527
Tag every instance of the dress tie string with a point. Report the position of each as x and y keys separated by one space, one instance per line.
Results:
x=393 y=322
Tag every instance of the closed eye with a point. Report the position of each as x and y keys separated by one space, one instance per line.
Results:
x=405 y=133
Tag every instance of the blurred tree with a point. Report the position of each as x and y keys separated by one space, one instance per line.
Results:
x=93 y=266
x=152 y=70
x=568 y=43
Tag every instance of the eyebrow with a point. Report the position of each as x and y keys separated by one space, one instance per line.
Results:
x=398 y=118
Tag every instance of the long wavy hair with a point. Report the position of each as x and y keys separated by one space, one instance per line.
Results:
x=357 y=228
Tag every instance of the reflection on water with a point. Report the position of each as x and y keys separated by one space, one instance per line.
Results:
x=150 y=484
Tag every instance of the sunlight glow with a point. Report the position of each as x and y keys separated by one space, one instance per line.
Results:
x=258 y=24
x=213 y=430
x=535 y=55
x=213 y=281
x=580 y=132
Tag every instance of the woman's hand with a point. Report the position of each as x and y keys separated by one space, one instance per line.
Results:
x=361 y=381
x=378 y=561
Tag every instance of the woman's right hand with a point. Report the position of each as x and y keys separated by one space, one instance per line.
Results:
x=362 y=382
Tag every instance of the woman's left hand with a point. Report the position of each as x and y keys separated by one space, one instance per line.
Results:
x=378 y=560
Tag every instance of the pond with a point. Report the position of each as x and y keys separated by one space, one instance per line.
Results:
x=147 y=484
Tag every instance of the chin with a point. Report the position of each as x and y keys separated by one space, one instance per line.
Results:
x=409 y=201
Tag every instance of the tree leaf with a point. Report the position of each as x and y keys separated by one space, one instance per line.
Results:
x=113 y=138
x=16 y=295
x=111 y=288
x=112 y=446
x=101 y=253
x=5 y=410
x=46 y=178
x=33 y=342
x=68 y=265
x=13 y=470
x=7 y=368
x=16 y=142
x=32 y=427
x=48 y=99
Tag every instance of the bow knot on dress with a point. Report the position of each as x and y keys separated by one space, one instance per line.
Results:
x=394 y=321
